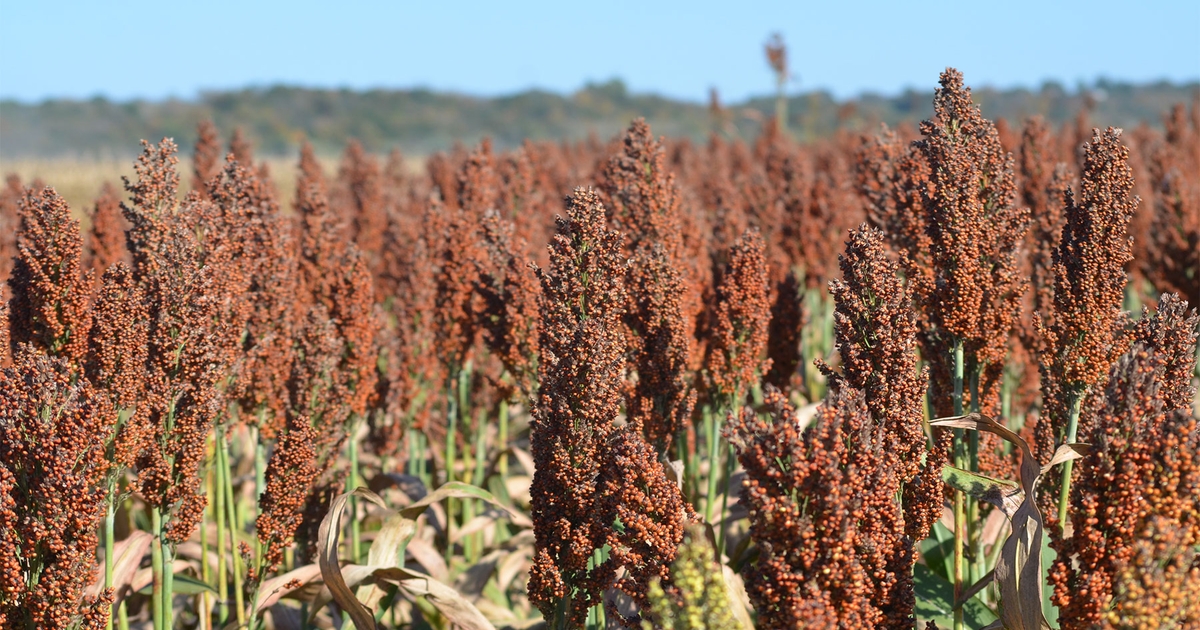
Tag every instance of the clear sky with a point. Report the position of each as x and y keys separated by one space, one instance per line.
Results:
x=167 y=48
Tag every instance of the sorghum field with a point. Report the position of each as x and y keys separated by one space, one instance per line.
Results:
x=935 y=377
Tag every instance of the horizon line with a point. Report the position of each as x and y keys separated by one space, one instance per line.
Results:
x=200 y=94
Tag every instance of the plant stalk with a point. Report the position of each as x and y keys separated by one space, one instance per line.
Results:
x=1072 y=431
x=218 y=506
x=478 y=480
x=451 y=439
x=352 y=484
x=502 y=441
x=712 y=426
x=205 y=597
x=960 y=457
x=158 y=570
x=235 y=557
x=109 y=517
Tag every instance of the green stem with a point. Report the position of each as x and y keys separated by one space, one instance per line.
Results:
x=109 y=517
x=352 y=485
x=1072 y=431
x=476 y=539
x=122 y=612
x=260 y=475
x=203 y=613
x=451 y=439
x=423 y=459
x=730 y=459
x=712 y=426
x=974 y=533
x=235 y=557
x=689 y=463
x=502 y=441
x=169 y=582
x=218 y=481
x=156 y=569
x=260 y=456
x=960 y=456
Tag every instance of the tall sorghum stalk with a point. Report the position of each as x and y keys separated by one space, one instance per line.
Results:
x=808 y=495
x=664 y=281
x=876 y=332
x=590 y=473
x=116 y=366
x=50 y=317
x=579 y=396
x=206 y=157
x=1172 y=262
x=186 y=282
x=1131 y=559
x=289 y=474
x=974 y=227
x=777 y=59
x=106 y=236
x=454 y=233
x=336 y=380
x=736 y=351
x=53 y=484
x=1085 y=335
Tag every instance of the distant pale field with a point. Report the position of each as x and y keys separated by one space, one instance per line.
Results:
x=79 y=180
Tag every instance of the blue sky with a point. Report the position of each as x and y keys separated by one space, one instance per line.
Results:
x=167 y=48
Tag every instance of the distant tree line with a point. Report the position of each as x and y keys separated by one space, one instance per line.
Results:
x=422 y=121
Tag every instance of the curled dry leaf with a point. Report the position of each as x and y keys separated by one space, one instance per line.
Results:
x=277 y=587
x=331 y=570
x=386 y=559
x=1018 y=569
x=128 y=554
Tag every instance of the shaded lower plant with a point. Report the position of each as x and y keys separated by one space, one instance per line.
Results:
x=700 y=598
x=806 y=494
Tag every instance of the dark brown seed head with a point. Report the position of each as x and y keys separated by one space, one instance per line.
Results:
x=50 y=292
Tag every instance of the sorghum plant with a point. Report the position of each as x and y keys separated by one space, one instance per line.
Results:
x=642 y=514
x=644 y=202
x=206 y=157
x=10 y=198
x=190 y=291
x=1173 y=263
x=893 y=179
x=1086 y=336
x=736 y=351
x=807 y=494
x=264 y=254
x=786 y=325
x=52 y=493
x=49 y=305
x=590 y=472
x=106 y=236
x=662 y=400
x=876 y=331
x=1041 y=183
x=359 y=197
x=975 y=228
x=116 y=365
x=333 y=378
x=1137 y=487
x=699 y=600
x=510 y=290
x=579 y=396
x=239 y=146
x=289 y=475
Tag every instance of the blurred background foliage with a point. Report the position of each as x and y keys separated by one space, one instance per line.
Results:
x=422 y=121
